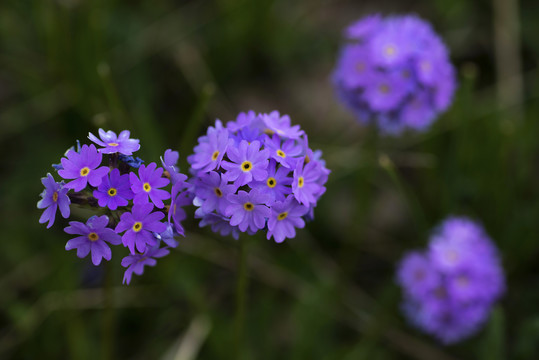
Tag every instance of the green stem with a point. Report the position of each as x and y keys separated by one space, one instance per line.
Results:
x=241 y=294
x=107 y=332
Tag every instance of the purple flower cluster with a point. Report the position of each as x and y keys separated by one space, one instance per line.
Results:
x=255 y=173
x=394 y=72
x=127 y=197
x=449 y=289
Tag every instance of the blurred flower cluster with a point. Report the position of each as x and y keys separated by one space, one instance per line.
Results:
x=255 y=173
x=394 y=72
x=125 y=196
x=450 y=288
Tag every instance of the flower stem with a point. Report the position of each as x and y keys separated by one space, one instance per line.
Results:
x=241 y=293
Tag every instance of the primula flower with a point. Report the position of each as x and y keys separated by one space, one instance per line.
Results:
x=114 y=190
x=305 y=185
x=450 y=289
x=53 y=197
x=210 y=150
x=115 y=144
x=211 y=193
x=277 y=184
x=140 y=223
x=286 y=153
x=135 y=263
x=94 y=236
x=176 y=213
x=395 y=72
x=170 y=161
x=148 y=185
x=281 y=125
x=248 y=210
x=248 y=162
x=83 y=167
x=285 y=217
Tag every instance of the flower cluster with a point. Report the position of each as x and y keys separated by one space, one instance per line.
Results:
x=394 y=72
x=126 y=196
x=257 y=172
x=449 y=289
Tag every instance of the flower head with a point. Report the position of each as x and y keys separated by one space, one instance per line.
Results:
x=115 y=144
x=94 y=236
x=83 y=167
x=52 y=198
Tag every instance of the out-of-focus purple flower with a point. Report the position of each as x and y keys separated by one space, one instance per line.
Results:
x=248 y=210
x=135 y=263
x=247 y=162
x=210 y=150
x=148 y=184
x=277 y=184
x=176 y=213
x=83 y=167
x=114 y=190
x=140 y=223
x=52 y=198
x=285 y=217
x=449 y=291
x=115 y=144
x=94 y=236
x=281 y=125
x=395 y=72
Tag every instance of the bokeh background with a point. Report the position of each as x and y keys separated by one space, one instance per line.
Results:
x=166 y=70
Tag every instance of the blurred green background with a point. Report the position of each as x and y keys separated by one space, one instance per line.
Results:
x=166 y=70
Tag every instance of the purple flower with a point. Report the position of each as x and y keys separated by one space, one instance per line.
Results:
x=176 y=213
x=140 y=223
x=285 y=217
x=167 y=236
x=305 y=187
x=248 y=162
x=135 y=263
x=210 y=150
x=83 y=167
x=417 y=275
x=394 y=72
x=281 y=125
x=248 y=210
x=211 y=193
x=114 y=190
x=94 y=236
x=277 y=184
x=170 y=162
x=115 y=144
x=148 y=185
x=52 y=198
x=286 y=153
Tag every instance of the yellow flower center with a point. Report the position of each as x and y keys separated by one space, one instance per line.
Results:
x=390 y=50
x=269 y=131
x=55 y=196
x=112 y=192
x=84 y=171
x=215 y=155
x=307 y=159
x=248 y=206
x=282 y=216
x=218 y=192
x=113 y=144
x=271 y=182
x=93 y=237
x=281 y=153
x=137 y=226
x=246 y=166
x=301 y=181
x=146 y=187
x=384 y=88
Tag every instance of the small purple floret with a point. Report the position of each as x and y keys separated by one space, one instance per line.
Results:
x=135 y=263
x=83 y=167
x=114 y=190
x=147 y=184
x=53 y=197
x=115 y=144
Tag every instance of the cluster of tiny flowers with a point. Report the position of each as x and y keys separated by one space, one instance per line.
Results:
x=126 y=196
x=449 y=289
x=394 y=72
x=255 y=173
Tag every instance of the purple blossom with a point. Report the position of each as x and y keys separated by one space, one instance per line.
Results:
x=281 y=125
x=211 y=193
x=277 y=184
x=176 y=213
x=286 y=153
x=140 y=223
x=285 y=217
x=115 y=144
x=170 y=161
x=248 y=162
x=167 y=236
x=417 y=275
x=114 y=190
x=305 y=186
x=83 y=167
x=210 y=150
x=52 y=198
x=94 y=236
x=386 y=91
x=147 y=184
x=248 y=210
x=135 y=263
